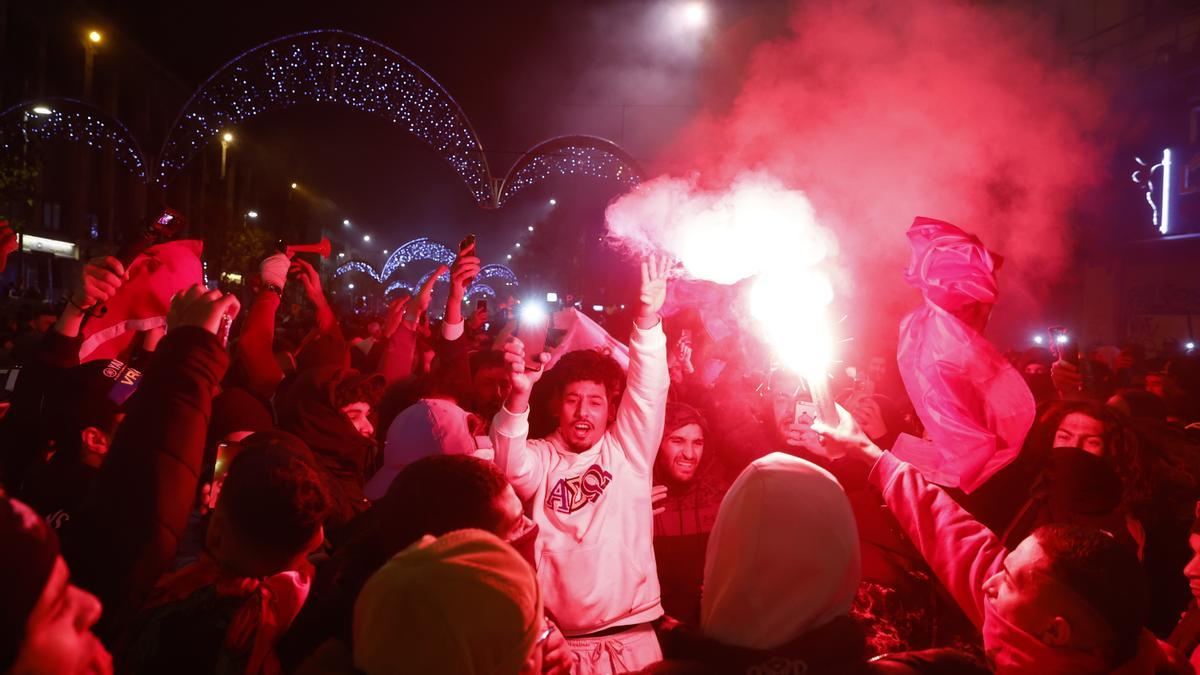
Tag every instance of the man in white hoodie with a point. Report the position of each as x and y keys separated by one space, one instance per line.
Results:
x=588 y=487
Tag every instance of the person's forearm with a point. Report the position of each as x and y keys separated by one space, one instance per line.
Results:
x=517 y=402
x=454 y=308
x=254 y=347
x=70 y=322
x=646 y=320
x=326 y=321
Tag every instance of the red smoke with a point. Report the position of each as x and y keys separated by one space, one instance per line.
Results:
x=882 y=110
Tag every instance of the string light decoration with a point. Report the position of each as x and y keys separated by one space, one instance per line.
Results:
x=399 y=285
x=494 y=271
x=359 y=266
x=480 y=290
x=445 y=276
x=328 y=66
x=421 y=248
x=569 y=156
x=66 y=119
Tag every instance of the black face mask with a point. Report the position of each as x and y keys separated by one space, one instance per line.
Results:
x=1083 y=483
x=524 y=542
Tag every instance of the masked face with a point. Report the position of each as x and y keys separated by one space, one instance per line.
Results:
x=1085 y=432
x=583 y=414
x=680 y=453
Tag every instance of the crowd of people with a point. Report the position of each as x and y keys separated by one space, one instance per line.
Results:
x=274 y=488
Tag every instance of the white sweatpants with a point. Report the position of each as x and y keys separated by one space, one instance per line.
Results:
x=629 y=651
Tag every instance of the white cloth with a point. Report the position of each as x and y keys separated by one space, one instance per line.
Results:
x=595 y=548
x=453 y=331
x=783 y=557
x=626 y=652
x=431 y=426
x=273 y=270
x=580 y=332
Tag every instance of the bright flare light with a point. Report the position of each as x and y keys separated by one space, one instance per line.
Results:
x=43 y=110
x=351 y=287
x=1190 y=346
x=694 y=14
x=294 y=186
x=552 y=297
x=553 y=201
x=252 y=214
x=1038 y=339
x=533 y=313
x=1062 y=339
x=227 y=137
x=367 y=238
x=95 y=37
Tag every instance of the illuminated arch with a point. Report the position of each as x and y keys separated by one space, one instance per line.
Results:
x=421 y=248
x=70 y=120
x=495 y=271
x=480 y=290
x=569 y=156
x=400 y=285
x=358 y=266
x=328 y=66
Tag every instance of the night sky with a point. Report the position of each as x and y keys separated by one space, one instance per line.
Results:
x=522 y=72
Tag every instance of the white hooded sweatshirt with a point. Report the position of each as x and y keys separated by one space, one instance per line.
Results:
x=595 y=548
x=783 y=557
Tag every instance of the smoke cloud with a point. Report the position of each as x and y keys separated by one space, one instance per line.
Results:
x=878 y=111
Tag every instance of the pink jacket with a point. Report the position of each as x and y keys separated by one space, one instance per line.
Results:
x=964 y=554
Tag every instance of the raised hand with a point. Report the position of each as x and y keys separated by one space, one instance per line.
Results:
x=419 y=303
x=311 y=281
x=102 y=278
x=395 y=315
x=847 y=438
x=520 y=375
x=274 y=269
x=197 y=306
x=465 y=269
x=653 y=292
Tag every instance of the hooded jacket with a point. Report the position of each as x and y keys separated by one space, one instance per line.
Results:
x=345 y=457
x=773 y=601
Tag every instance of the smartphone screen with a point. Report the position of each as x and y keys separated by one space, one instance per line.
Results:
x=806 y=412
x=226 y=451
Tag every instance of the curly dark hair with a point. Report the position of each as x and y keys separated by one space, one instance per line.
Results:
x=274 y=498
x=1105 y=573
x=587 y=365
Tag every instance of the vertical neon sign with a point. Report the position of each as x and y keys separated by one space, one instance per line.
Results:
x=1165 y=225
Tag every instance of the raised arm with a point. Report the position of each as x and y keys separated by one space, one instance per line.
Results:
x=253 y=351
x=640 y=417
x=959 y=549
x=524 y=468
x=126 y=535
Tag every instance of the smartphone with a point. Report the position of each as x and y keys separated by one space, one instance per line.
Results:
x=226 y=451
x=467 y=245
x=1062 y=346
x=806 y=412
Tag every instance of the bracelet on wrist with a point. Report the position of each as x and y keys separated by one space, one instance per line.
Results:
x=87 y=311
x=274 y=289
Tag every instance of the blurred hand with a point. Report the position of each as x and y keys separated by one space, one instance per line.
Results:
x=657 y=494
x=197 y=306
x=478 y=318
x=653 y=292
x=152 y=337
x=274 y=269
x=395 y=315
x=521 y=378
x=1066 y=377
x=102 y=278
x=868 y=415
x=556 y=655
x=801 y=435
x=847 y=439
x=309 y=278
x=8 y=243
x=420 y=302
x=465 y=269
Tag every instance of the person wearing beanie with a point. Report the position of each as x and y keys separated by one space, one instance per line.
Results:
x=45 y=621
x=463 y=603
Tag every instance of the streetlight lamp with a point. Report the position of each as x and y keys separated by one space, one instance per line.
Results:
x=94 y=38
x=294 y=186
x=346 y=222
x=252 y=214
x=226 y=139
x=367 y=238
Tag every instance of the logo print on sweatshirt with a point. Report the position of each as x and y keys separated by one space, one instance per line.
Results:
x=571 y=494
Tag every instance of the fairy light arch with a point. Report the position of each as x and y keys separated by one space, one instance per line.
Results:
x=328 y=66
x=569 y=156
x=67 y=119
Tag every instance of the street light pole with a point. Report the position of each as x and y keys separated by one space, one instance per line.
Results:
x=226 y=139
x=89 y=57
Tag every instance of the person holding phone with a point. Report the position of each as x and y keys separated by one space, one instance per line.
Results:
x=588 y=486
